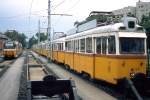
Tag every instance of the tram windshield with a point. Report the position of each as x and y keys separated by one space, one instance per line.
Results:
x=131 y=45
x=9 y=45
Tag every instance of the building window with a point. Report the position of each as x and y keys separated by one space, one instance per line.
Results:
x=82 y=45
x=111 y=45
x=98 y=45
x=104 y=45
x=89 y=45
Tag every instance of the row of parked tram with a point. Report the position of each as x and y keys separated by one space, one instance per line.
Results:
x=109 y=53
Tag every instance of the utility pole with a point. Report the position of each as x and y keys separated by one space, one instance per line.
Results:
x=49 y=21
x=49 y=38
x=39 y=32
x=49 y=31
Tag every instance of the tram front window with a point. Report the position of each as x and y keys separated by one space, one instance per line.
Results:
x=9 y=46
x=131 y=45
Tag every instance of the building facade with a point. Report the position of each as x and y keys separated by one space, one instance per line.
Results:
x=142 y=8
x=126 y=10
x=3 y=38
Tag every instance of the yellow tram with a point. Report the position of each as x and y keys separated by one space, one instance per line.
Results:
x=12 y=49
x=108 y=53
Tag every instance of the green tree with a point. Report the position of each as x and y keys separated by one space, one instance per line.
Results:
x=32 y=41
x=99 y=18
x=43 y=36
x=145 y=22
x=15 y=36
x=22 y=39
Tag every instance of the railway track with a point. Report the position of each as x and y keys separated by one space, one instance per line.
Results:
x=36 y=72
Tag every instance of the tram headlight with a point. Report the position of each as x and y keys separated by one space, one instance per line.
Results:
x=132 y=74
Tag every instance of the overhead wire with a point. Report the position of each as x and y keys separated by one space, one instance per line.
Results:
x=67 y=11
x=74 y=5
x=54 y=7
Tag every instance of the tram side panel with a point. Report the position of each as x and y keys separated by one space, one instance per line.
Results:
x=44 y=52
x=86 y=64
x=106 y=69
x=61 y=57
x=55 y=55
x=69 y=59
x=77 y=62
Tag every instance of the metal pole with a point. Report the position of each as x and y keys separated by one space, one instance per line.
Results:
x=49 y=28
x=148 y=67
x=39 y=32
x=49 y=21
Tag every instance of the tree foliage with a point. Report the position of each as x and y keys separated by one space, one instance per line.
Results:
x=43 y=36
x=145 y=22
x=15 y=36
x=99 y=18
x=32 y=41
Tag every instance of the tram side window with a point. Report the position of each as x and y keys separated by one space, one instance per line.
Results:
x=75 y=45
x=69 y=45
x=82 y=45
x=59 y=46
x=66 y=47
x=62 y=48
x=72 y=45
x=111 y=45
x=98 y=45
x=104 y=45
x=89 y=45
x=55 y=46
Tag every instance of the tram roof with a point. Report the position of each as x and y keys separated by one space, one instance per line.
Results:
x=59 y=40
x=98 y=30
x=108 y=29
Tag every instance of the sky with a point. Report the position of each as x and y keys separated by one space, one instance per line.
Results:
x=23 y=15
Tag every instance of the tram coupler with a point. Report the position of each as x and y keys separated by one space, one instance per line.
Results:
x=50 y=86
